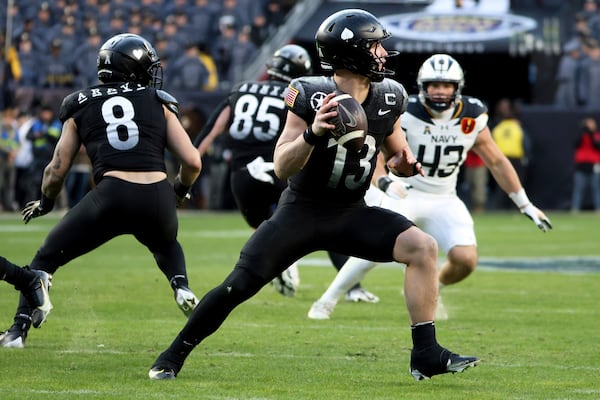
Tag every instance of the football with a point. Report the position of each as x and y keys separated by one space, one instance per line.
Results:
x=351 y=124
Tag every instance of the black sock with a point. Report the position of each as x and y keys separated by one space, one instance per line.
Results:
x=13 y=274
x=178 y=281
x=423 y=335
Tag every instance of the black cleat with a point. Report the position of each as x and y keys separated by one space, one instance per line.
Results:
x=38 y=295
x=164 y=368
x=437 y=360
x=14 y=337
x=161 y=373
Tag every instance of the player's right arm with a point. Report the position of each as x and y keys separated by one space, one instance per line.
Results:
x=55 y=172
x=293 y=148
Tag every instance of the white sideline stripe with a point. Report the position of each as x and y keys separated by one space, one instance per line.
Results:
x=22 y=228
x=568 y=264
x=217 y=234
x=112 y=394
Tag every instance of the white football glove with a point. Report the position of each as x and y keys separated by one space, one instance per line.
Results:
x=530 y=211
x=259 y=169
x=394 y=189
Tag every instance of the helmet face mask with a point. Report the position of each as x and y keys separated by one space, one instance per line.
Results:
x=129 y=58
x=440 y=68
x=345 y=41
x=289 y=62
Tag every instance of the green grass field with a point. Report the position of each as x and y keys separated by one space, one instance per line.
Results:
x=536 y=330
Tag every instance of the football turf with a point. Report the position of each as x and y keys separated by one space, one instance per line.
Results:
x=530 y=312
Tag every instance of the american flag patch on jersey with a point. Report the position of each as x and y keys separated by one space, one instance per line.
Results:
x=290 y=98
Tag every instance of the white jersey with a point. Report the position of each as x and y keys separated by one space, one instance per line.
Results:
x=441 y=144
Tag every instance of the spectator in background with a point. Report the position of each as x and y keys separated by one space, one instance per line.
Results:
x=587 y=166
x=44 y=134
x=25 y=91
x=56 y=69
x=513 y=142
x=222 y=49
x=592 y=17
x=23 y=159
x=204 y=13
x=188 y=72
x=590 y=79
x=9 y=145
x=213 y=75
x=69 y=38
x=242 y=54
x=568 y=76
x=85 y=59
x=45 y=27
x=10 y=72
x=476 y=177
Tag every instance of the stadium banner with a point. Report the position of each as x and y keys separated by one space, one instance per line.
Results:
x=438 y=26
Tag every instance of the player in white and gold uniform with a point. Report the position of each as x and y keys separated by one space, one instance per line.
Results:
x=441 y=126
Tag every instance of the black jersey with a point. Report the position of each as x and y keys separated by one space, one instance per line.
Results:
x=258 y=115
x=122 y=126
x=333 y=173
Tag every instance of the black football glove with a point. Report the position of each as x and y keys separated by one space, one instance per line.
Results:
x=181 y=192
x=37 y=208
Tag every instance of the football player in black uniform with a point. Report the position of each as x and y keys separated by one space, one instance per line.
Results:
x=252 y=118
x=323 y=208
x=125 y=124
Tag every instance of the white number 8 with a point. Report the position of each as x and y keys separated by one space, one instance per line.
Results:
x=131 y=134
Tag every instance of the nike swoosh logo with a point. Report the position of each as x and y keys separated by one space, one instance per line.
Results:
x=352 y=123
x=382 y=112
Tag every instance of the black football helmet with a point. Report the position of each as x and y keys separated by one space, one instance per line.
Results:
x=129 y=58
x=289 y=62
x=344 y=41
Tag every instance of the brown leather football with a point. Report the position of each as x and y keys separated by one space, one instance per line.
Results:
x=351 y=123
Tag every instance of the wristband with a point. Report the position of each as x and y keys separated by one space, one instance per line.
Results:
x=180 y=189
x=310 y=137
x=384 y=182
x=519 y=198
x=46 y=203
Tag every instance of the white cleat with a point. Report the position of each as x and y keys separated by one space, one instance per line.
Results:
x=288 y=281
x=359 y=294
x=186 y=300
x=321 y=310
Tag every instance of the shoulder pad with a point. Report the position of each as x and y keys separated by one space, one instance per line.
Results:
x=473 y=106
x=169 y=101
x=70 y=105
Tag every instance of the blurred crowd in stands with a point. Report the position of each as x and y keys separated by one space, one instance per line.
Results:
x=200 y=42
x=578 y=74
